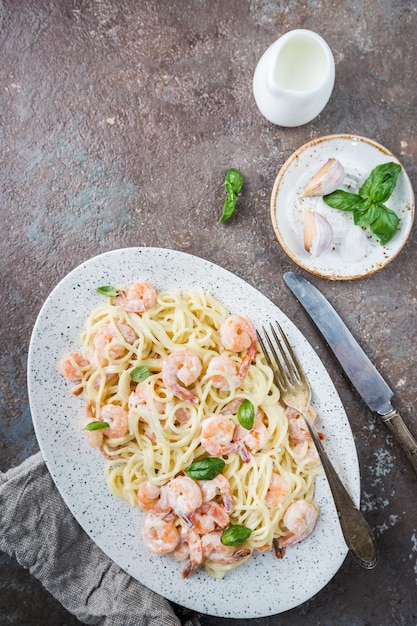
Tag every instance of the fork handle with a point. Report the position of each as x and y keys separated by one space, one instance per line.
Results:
x=356 y=530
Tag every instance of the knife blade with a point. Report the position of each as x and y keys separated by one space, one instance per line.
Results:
x=360 y=370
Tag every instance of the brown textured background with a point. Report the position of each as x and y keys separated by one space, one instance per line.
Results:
x=118 y=122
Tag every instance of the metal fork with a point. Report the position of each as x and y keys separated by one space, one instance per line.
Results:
x=296 y=393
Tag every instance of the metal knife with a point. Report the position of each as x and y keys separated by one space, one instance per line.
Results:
x=361 y=372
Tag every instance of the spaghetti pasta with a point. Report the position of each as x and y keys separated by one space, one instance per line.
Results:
x=163 y=391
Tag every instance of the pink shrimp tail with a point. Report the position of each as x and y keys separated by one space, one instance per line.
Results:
x=188 y=569
x=247 y=360
x=244 y=367
x=239 y=446
x=227 y=503
x=252 y=349
x=279 y=550
x=184 y=394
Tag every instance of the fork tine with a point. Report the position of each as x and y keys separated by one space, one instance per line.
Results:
x=296 y=367
x=286 y=368
x=268 y=360
x=289 y=366
x=277 y=364
x=275 y=367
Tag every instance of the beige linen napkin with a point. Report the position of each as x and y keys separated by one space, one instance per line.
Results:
x=38 y=529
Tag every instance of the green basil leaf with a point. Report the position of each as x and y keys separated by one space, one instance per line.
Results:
x=235 y=534
x=233 y=181
x=96 y=426
x=140 y=373
x=205 y=469
x=373 y=213
x=228 y=208
x=366 y=216
x=381 y=182
x=385 y=225
x=360 y=218
x=229 y=188
x=367 y=206
x=343 y=200
x=246 y=414
x=107 y=290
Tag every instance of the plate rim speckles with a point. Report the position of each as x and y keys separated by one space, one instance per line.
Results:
x=78 y=471
x=361 y=155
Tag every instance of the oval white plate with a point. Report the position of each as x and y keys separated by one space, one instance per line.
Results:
x=359 y=156
x=263 y=585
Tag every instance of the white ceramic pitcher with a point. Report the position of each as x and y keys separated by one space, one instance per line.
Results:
x=294 y=78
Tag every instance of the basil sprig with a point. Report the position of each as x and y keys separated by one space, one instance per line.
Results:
x=233 y=183
x=205 y=469
x=107 y=290
x=367 y=205
x=246 y=414
x=140 y=373
x=235 y=534
x=96 y=426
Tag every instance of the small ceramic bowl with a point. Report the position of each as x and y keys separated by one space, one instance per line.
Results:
x=358 y=156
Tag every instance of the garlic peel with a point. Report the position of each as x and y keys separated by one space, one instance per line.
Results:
x=318 y=234
x=326 y=180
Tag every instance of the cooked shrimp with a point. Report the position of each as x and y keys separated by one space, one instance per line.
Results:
x=237 y=334
x=107 y=341
x=219 y=365
x=184 y=366
x=277 y=490
x=297 y=428
x=107 y=377
x=305 y=452
x=182 y=416
x=299 y=436
x=153 y=498
x=138 y=298
x=72 y=364
x=215 y=487
x=217 y=437
x=189 y=549
x=117 y=418
x=184 y=496
x=95 y=437
x=214 y=550
x=300 y=519
x=256 y=437
x=208 y=517
x=232 y=407
x=161 y=535
x=149 y=433
x=141 y=398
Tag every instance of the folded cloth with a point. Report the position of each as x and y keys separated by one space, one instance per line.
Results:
x=38 y=529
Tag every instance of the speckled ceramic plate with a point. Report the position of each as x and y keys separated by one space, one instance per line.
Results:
x=358 y=156
x=263 y=585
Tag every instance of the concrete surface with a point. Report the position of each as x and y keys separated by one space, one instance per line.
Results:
x=118 y=122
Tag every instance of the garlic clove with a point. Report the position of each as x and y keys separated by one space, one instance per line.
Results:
x=355 y=245
x=326 y=180
x=318 y=234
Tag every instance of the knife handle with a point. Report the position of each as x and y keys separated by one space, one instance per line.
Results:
x=395 y=423
x=357 y=533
